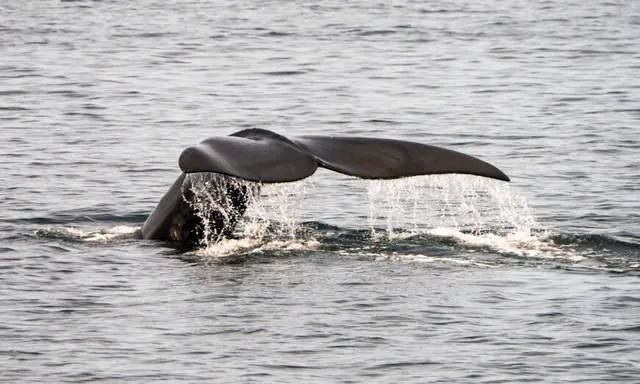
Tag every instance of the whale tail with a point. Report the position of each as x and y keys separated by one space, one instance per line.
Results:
x=371 y=158
x=263 y=156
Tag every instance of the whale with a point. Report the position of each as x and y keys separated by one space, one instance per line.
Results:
x=230 y=170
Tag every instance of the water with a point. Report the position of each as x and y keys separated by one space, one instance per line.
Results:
x=436 y=279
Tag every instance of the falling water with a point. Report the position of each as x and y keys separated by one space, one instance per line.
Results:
x=276 y=212
x=461 y=202
x=272 y=216
x=214 y=198
x=474 y=211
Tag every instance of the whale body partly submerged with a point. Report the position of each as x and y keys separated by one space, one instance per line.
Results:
x=233 y=167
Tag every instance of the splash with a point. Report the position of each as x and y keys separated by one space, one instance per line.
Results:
x=473 y=212
x=219 y=201
x=270 y=223
x=240 y=247
x=102 y=235
x=461 y=202
x=276 y=212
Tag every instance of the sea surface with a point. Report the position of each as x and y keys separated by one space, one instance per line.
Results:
x=433 y=279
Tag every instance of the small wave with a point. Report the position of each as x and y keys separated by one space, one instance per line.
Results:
x=278 y=34
x=74 y=217
x=13 y=92
x=376 y=32
x=284 y=73
x=144 y=34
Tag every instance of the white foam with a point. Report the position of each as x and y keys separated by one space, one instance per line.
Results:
x=522 y=244
x=102 y=235
x=420 y=258
x=231 y=247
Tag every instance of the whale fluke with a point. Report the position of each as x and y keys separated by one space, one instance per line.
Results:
x=371 y=158
x=261 y=156
x=264 y=156
x=252 y=154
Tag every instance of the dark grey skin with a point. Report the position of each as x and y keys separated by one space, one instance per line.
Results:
x=261 y=156
x=215 y=215
x=184 y=217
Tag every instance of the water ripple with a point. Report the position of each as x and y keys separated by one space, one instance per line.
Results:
x=446 y=280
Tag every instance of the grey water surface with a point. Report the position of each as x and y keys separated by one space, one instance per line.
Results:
x=438 y=279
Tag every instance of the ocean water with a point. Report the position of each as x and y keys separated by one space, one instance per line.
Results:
x=433 y=279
